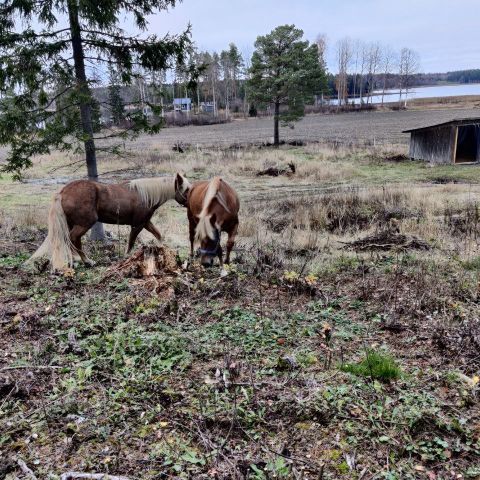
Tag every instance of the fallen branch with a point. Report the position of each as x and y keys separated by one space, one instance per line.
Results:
x=27 y=471
x=33 y=367
x=93 y=476
x=387 y=240
x=121 y=170
x=277 y=171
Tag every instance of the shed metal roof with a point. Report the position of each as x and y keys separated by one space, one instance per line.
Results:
x=455 y=121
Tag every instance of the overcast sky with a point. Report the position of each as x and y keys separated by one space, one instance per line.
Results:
x=446 y=33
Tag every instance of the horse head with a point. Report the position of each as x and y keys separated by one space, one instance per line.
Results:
x=182 y=186
x=210 y=245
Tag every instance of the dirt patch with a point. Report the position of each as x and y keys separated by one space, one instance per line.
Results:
x=443 y=180
x=463 y=340
x=397 y=158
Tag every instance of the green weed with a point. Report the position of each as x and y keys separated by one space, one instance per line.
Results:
x=375 y=365
x=472 y=264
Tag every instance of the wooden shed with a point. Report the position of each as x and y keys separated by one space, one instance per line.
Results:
x=455 y=141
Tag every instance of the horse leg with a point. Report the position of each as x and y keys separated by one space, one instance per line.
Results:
x=191 y=230
x=76 y=234
x=153 y=230
x=220 y=255
x=231 y=242
x=133 y=236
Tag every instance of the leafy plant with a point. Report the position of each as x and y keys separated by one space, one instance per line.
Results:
x=13 y=260
x=132 y=350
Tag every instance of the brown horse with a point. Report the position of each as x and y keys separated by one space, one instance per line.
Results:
x=212 y=208
x=82 y=203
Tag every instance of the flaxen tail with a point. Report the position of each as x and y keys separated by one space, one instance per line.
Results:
x=57 y=246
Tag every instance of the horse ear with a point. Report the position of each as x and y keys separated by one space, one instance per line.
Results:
x=179 y=180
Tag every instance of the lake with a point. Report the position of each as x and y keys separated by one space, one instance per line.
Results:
x=392 y=96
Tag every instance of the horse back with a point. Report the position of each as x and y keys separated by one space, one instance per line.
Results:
x=229 y=196
x=86 y=201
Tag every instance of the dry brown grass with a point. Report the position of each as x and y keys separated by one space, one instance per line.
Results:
x=311 y=213
x=316 y=228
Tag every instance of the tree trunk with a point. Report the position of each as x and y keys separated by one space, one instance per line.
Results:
x=214 y=100
x=97 y=232
x=276 y=119
x=384 y=86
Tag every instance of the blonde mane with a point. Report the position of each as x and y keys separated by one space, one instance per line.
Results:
x=154 y=191
x=204 y=227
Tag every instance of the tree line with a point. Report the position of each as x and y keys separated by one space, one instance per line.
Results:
x=284 y=73
x=364 y=68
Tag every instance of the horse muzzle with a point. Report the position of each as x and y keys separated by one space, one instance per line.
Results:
x=207 y=261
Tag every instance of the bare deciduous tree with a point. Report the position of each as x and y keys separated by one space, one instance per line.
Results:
x=344 y=52
x=387 y=63
x=321 y=42
x=363 y=52
x=373 y=55
x=408 y=66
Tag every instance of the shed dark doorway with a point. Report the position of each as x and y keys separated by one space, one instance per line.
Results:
x=468 y=144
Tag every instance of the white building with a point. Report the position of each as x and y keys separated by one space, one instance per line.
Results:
x=182 y=105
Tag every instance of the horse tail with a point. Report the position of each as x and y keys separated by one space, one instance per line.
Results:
x=57 y=246
x=204 y=227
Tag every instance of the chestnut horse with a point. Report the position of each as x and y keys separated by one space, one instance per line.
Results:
x=212 y=208
x=82 y=203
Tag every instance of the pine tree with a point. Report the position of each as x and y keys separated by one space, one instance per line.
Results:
x=236 y=65
x=285 y=71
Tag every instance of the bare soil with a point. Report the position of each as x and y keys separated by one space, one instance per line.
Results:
x=383 y=127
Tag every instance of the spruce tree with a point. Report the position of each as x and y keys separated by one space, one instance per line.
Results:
x=38 y=52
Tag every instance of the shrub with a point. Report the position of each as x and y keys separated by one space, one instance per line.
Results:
x=472 y=264
x=375 y=365
x=342 y=211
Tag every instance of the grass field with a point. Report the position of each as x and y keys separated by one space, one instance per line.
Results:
x=343 y=344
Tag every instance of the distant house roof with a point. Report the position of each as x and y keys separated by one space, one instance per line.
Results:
x=181 y=101
x=455 y=121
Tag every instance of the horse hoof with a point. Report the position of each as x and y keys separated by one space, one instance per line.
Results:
x=89 y=263
x=223 y=273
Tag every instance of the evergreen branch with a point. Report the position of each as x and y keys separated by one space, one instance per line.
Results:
x=52 y=100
